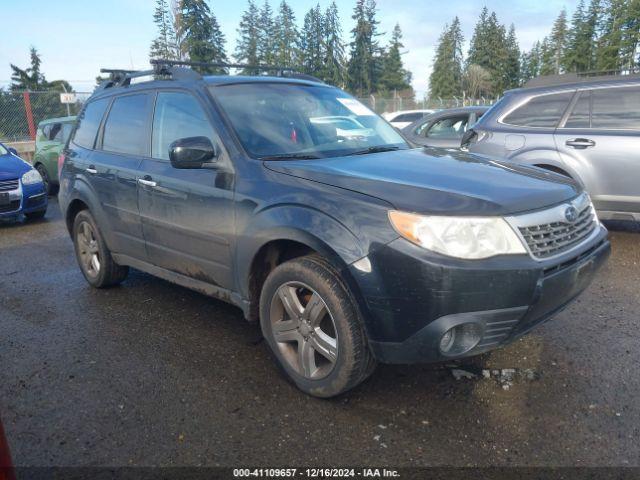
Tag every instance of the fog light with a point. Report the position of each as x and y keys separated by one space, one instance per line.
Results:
x=460 y=339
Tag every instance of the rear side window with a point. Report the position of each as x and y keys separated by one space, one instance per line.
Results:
x=581 y=113
x=452 y=127
x=616 y=108
x=408 y=117
x=177 y=115
x=126 y=126
x=89 y=122
x=542 y=111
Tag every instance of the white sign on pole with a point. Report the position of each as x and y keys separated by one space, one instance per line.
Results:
x=67 y=98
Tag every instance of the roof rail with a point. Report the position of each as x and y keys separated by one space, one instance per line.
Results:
x=578 y=77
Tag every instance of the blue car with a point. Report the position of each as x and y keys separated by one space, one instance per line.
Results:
x=21 y=187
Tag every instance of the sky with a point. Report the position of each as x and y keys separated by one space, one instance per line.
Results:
x=78 y=37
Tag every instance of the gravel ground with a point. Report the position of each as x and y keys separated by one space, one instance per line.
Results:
x=149 y=373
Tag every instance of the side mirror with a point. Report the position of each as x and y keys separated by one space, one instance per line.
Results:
x=192 y=152
x=13 y=151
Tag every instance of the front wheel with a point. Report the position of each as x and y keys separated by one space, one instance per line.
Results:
x=312 y=325
x=92 y=253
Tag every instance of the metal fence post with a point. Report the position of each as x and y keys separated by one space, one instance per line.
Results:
x=29 y=114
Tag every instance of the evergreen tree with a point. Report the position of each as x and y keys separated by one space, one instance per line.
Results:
x=203 y=39
x=286 y=37
x=164 y=45
x=512 y=60
x=248 y=38
x=558 y=40
x=311 y=42
x=547 y=58
x=364 y=62
x=580 y=51
x=30 y=78
x=393 y=76
x=334 y=61
x=489 y=49
x=530 y=63
x=446 y=77
x=629 y=56
x=266 y=35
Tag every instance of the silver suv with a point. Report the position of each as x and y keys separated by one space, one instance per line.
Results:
x=587 y=128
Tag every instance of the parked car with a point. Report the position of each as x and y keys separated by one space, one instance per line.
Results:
x=403 y=118
x=583 y=127
x=348 y=251
x=444 y=128
x=51 y=136
x=21 y=187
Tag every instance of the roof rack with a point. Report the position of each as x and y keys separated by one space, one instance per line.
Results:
x=279 y=70
x=589 y=76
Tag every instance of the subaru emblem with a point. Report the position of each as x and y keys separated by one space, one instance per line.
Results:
x=571 y=214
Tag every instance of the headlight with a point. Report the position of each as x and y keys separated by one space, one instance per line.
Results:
x=31 y=177
x=461 y=237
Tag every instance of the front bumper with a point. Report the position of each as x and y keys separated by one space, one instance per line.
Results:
x=25 y=199
x=413 y=297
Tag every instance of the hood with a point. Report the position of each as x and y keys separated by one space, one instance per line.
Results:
x=12 y=167
x=438 y=181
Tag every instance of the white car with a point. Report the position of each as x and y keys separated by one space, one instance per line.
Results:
x=405 y=117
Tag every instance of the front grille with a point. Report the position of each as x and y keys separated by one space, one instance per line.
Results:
x=548 y=239
x=7 y=185
x=11 y=207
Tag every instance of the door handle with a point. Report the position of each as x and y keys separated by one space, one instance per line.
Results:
x=580 y=143
x=147 y=181
x=91 y=169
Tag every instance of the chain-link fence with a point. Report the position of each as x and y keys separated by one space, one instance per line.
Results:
x=395 y=104
x=20 y=112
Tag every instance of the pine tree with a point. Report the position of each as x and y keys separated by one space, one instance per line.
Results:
x=286 y=37
x=248 y=38
x=311 y=43
x=334 y=61
x=512 y=60
x=164 y=45
x=580 y=51
x=203 y=39
x=547 y=58
x=446 y=77
x=629 y=55
x=489 y=49
x=393 y=76
x=558 y=40
x=266 y=35
x=364 y=62
x=530 y=63
x=30 y=78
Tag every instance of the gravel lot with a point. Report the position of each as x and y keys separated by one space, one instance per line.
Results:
x=149 y=373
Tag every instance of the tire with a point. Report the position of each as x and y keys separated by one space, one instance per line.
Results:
x=92 y=254
x=48 y=187
x=36 y=215
x=313 y=327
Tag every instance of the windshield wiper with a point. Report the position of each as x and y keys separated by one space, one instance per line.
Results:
x=376 y=149
x=291 y=156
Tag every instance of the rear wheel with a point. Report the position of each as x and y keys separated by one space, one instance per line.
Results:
x=92 y=253
x=313 y=327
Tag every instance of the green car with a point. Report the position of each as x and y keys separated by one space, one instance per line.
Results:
x=50 y=140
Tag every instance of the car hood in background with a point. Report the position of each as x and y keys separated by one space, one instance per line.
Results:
x=12 y=167
x=438 y=181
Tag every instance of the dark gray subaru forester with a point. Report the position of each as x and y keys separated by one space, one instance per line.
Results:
x=293 y=201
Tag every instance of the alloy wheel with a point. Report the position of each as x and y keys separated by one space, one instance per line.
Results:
x=88 y=249
x=304 y=330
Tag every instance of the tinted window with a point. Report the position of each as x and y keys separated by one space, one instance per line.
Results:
x=580 y=115
x=89 y=122
x=177 y=115
x=125 y=128
x=66 y=131
x=451 y=127
x=56 y=132
x=616 y=108
x=542 y=111
x=408 y=117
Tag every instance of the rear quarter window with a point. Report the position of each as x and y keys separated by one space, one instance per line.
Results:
x=89 y=122
x=616 y=108
x=540 y=111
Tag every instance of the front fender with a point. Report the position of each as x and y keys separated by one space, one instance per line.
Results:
x=302 y=224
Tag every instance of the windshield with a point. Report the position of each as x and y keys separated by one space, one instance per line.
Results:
x=305 y=121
